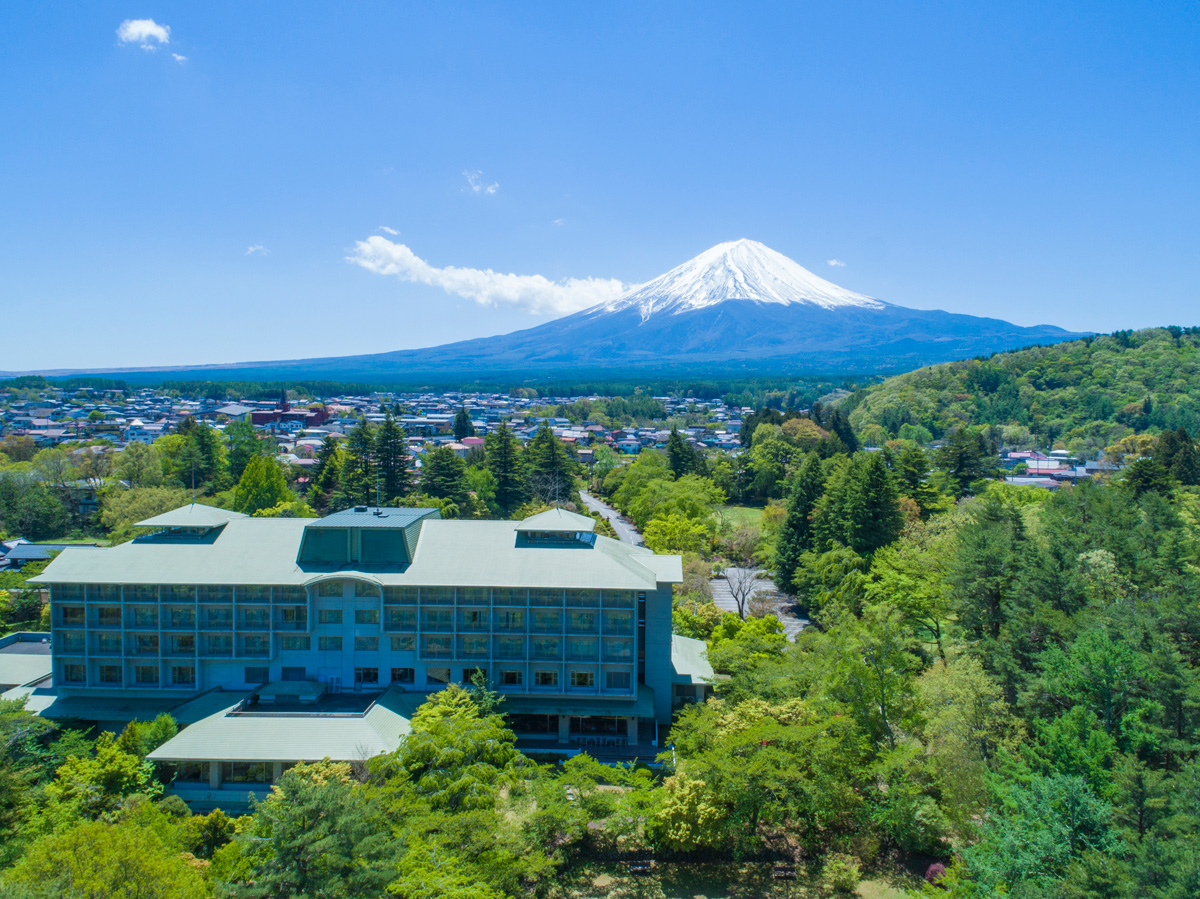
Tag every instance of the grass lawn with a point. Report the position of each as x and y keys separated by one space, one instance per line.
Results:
x=741 y=515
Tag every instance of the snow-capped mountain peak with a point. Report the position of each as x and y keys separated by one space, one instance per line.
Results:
x=736 y=270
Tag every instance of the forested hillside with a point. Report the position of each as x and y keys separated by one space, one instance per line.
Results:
x=1085 y=394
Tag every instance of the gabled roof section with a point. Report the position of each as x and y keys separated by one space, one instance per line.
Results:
x=689 y=659
x=193 y=515
x=556 y=520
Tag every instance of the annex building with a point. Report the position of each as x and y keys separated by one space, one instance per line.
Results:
x=277 y=640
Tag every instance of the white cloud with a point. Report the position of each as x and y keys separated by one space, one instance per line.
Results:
x=836 y=263
x=179 y=59
x=142 y=32
x=559 y=222
x=476 y=185
x=257 y=250
x=534 y=293
x=386 y=230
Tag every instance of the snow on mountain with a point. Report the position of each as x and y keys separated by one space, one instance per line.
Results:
x=736 y=270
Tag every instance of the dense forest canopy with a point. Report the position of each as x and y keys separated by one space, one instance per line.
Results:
x=1084 y=394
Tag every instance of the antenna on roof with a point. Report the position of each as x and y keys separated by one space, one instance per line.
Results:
x=193 y=483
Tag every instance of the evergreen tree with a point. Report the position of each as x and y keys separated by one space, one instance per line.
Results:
x=462 y=425
x=392 y=459
x=1177 y=455
x=262 y=486
x=444 y=475
x=244 y=444
x=911 y=471
x=682 y=457
x=965 y=458
x=840 y=425
x=861 y=507
x=358 y=468
x=795 y=537
x=503 y=460
x=551 y=467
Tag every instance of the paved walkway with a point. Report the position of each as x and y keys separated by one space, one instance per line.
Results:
x=626 y=532
x=780 y=605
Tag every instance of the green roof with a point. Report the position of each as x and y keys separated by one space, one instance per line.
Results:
x=448 y=553
x=294 y=737
x=194 y=515
x=689 y=659
x=557 y=520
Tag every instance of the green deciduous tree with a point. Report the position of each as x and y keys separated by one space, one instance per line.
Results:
x=262 y=486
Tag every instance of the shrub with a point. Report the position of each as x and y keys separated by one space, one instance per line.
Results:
x=841 y=873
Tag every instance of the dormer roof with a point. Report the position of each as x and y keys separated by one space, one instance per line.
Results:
x=556 y=520
x=193 y=515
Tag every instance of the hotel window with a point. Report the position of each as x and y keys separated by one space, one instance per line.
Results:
x=437 y=676
x=141 y=593
x=470 y=675
x=511 y=678
x=437 y=647
x=366 y=644
x=294 y=615
x=400 y=595
x=110 y=644
x=366 y=616
x=255 y=646
x=401 y=619
x=473 y=646
x=254 y=594
x=546 y=597
x=510 y=619
x=256 y=617
x=618 y=622
x=616 y=680
x=470 y=596
x=294 y=673
x=406 y=643
x=547 y=648
x=177 y=593
x=220 y=617
x=110 y=674
x=187 y=642
x=583 y=678
x=618 y=650
x=403 y=676
x=107 y=593
x=73 y=674
x=547 y=622
x=330 y=588
x=329 y=644
x=581 y=648
x=545 y=678
x=183 y=617
x=257 y=675
x=363 y=589
x=183 y=675
x=366 y=675
x=144 y=616
x=215 y=593
x=69 y=642
x=585 y=598
x=618 y=599
x=146 y=674
x=510 y=647
x=293 y=642
x=582 y=622
x=71 y=615
x=473 y=619
x=329 y=616
x=297 y=595
x=219 y=644
x=146 y=644
x=437 y=620
x=509 y=596
x=108 y=616
x=442 y=596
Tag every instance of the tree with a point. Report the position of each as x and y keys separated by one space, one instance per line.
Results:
x=138 y=466
x=391 y=454
x=358 y=475
x=795 y=537
x=860 y=507
x=1144 y=476
x=94 y=787
x=503 y=460
x=444 y=475
x=682 y=457
x=261 y=487
x=120 y=510
x=94 y=859
x=244 y=444
x=742 y=571
x=912 y=473
x=317 y=834
x=462 y=425
x=966 y=458
x=551 y=467
x=674 y=533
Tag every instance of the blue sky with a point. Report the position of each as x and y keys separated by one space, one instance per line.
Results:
x=1030 y=161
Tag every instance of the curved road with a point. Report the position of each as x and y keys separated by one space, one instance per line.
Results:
x=626 y=532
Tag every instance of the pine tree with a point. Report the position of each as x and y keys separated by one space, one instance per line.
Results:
x=358 y=469
x=912 y=470
x=503 y=460
x=681 y=456
x=551 y=467
x=392 y=460
x=860 y=507
x=462 y=425
x=444 y=475
x=262 y=486
x=795 y=537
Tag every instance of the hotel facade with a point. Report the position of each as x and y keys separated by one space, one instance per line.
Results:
x=254 y=630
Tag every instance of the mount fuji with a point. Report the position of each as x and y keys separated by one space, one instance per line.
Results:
x=738 y=308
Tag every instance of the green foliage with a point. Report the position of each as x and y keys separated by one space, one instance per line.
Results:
x=795 y=537
x=120 y=510
x=393 y=460
x=503 y=460
x=262 y=486
x=675 y=533
x=444 y=475
x=860 y=507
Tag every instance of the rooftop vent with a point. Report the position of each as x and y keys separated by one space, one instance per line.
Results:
x=360 y=508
